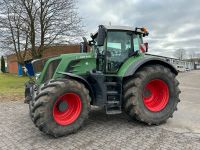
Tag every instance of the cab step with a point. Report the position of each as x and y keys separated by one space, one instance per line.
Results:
x=113 y=102
x=111 y=83
x=113 y=112
x=112 y=93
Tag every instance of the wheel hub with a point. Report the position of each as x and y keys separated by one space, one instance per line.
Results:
x=62 y=106
x=156 y=95
x=147 y=93
x=67 y=108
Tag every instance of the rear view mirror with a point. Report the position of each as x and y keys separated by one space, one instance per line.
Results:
x=101 y=36
x=147 y=46
x=144 y=47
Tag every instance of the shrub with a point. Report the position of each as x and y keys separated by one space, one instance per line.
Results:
x=3 y=67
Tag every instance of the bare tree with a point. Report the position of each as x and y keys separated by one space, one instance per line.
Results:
x=36 y=24
x=51 y=22
x=30 y=11
x=180 y=54
x=14 y=32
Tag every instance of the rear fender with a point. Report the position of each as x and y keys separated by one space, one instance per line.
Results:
x=134 y=67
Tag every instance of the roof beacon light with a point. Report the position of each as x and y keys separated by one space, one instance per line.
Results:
x=144 y=29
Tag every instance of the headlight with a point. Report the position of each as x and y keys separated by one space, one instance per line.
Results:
x=37 y=75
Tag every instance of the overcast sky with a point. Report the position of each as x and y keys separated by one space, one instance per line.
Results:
x=172 y=24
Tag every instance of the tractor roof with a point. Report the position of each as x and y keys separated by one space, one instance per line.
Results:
x=127 y=28
x=124 y=28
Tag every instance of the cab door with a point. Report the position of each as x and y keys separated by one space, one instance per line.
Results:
x=118 y=46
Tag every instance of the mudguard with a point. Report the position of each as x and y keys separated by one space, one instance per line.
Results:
x=147 y=60
x=80 y=79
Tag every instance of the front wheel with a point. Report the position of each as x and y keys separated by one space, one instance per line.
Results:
x=61 y=107
x=151 y=95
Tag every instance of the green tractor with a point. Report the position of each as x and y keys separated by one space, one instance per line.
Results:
x=111 y=71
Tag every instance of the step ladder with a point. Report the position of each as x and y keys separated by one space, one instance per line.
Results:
x=113 y=95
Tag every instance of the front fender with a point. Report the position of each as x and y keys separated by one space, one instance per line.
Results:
x=80 y=79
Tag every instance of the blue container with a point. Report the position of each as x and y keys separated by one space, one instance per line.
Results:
x=20 y=71
x=29 y=68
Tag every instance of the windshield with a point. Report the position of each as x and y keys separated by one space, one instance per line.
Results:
x=118 y=48
x=118 y=43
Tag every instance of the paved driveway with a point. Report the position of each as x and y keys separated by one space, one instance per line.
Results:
x=110 y=132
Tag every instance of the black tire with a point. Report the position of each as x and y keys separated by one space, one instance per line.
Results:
x=46 y=99
x=27 y=92
x=31 y=103
x=134 y=104
x=29 y=98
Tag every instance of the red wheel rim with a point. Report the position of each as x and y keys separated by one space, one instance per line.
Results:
x=72 y=110
x=156 y=95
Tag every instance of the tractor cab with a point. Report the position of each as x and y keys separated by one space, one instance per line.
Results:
x=114 y=44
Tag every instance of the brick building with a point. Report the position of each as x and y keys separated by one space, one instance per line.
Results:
x=12 y=64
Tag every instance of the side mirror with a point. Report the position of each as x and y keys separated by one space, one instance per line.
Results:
x=144 y=47
x=101 y=36
x=147 y=46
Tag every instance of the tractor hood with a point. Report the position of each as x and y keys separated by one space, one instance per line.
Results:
x=75 y=63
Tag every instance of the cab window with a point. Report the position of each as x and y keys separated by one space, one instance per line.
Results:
x=118 y=43
x=118 y=48
x=137 y=40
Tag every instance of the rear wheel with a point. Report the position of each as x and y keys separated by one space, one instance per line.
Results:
x=151 y=95
x=61 y=107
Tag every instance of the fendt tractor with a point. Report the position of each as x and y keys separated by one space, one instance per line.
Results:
x=111 y=71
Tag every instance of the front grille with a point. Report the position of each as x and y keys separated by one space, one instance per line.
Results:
x=51 y=69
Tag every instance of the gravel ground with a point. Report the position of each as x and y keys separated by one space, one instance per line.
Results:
x=101 y=131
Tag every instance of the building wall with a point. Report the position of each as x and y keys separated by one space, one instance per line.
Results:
x=197 y=66
x=50 y=52
x=57 y=50
x=12 y=64
x=13 y=67
x=185 y=64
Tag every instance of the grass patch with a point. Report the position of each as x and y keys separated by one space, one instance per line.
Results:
x=11 y=87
